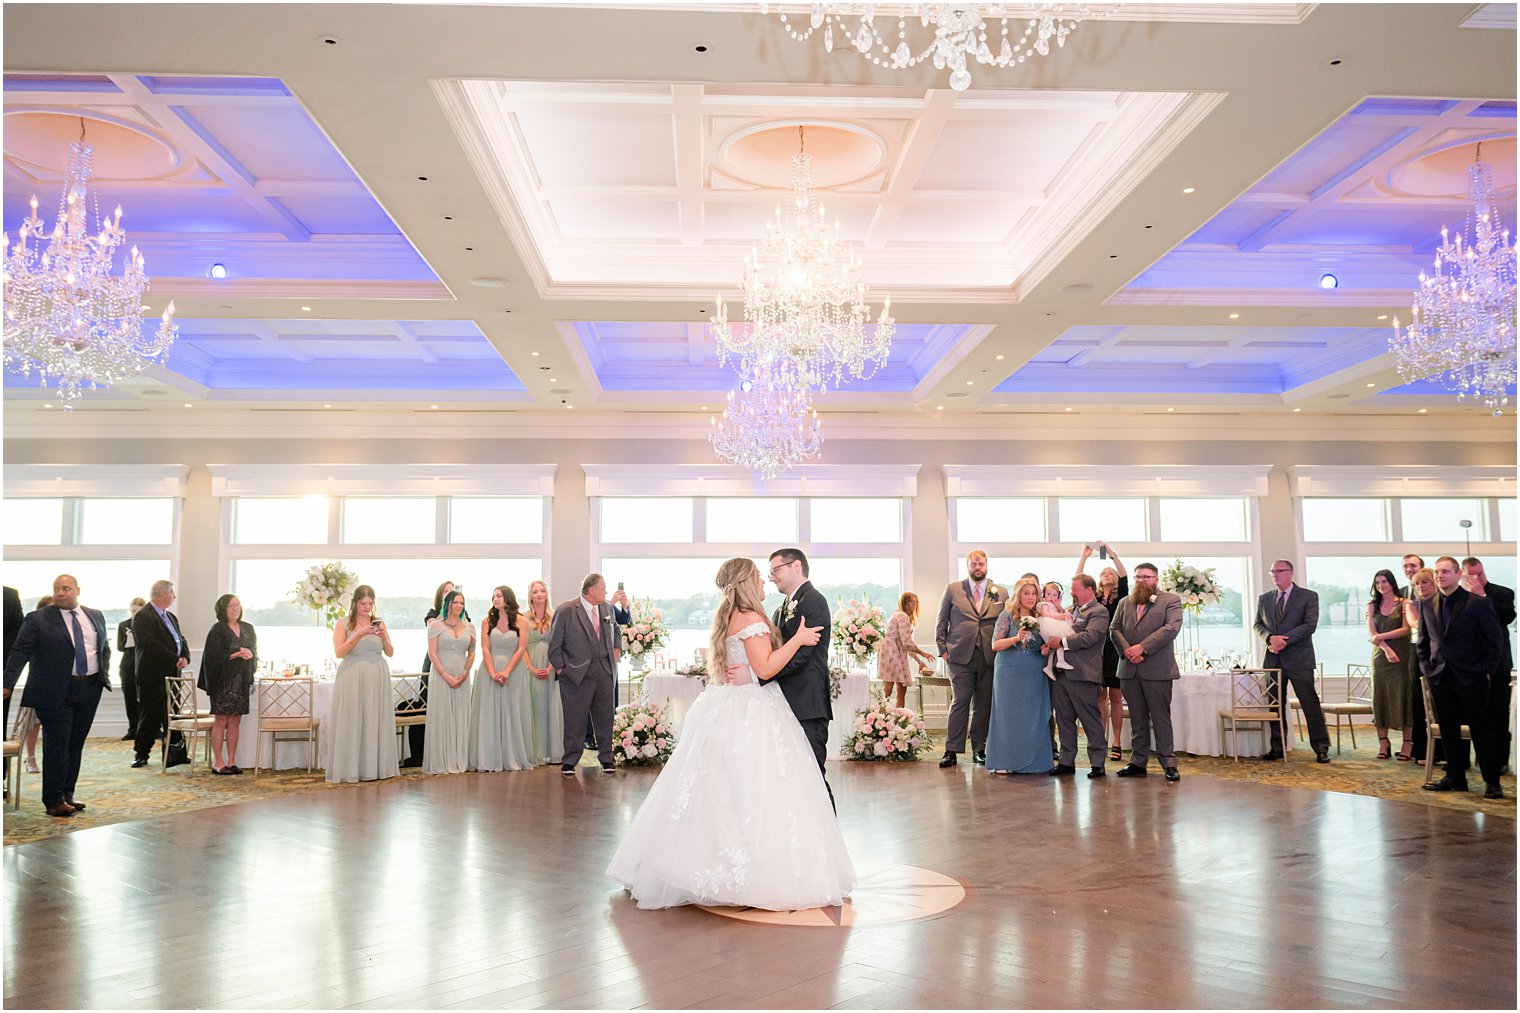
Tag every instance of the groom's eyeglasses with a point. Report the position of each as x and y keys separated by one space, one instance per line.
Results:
x=781 y=566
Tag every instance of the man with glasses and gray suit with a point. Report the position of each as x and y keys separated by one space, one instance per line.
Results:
x=1286 y=619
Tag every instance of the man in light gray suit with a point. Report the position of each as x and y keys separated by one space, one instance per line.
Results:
x=1143 y=630
x=1286 y=619
x=967 y=615
x=583 y=651
x=1075 y=692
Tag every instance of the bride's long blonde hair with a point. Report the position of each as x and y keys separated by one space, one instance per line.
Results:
x=736 y=581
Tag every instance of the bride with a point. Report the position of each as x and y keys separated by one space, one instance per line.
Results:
x=739 y=816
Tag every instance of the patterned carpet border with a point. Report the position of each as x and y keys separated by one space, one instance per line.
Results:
x=116 y=793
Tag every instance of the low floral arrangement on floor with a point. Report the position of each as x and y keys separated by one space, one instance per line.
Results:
x=647 y=632
x=692 y=671
x=885 y=733
x=836 y=681
x=325 y=590
x=641 y=737
x=859 y=628
x=1195 y=587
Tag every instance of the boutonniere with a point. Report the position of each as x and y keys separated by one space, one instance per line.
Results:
x=607 y=620
x=992 y=595
x=788 y=609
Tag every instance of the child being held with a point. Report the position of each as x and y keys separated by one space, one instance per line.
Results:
x=1055 y=624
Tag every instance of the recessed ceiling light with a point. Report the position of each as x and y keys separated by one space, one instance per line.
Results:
x=553 y=379
x=700 y=49
x=146 y=308
x=448 y=218
x=569 y=406
x=489 y=281
x=939 y=407
x=1000 y=358
x=327 y=406
x=1171 y=409
x=1372 y=385
x=305 y=309
x=1188 y=189
x=1298 y=409
x=434 y=407
x=188 y=405
x=218 y=271
x=535 y=355
x=47 y=406
x=704 y=408
x=1383 y=317
x=1421 y=411
x=1328 y=281
x=1234 y=316
x=970 y=383
x=1068 y=408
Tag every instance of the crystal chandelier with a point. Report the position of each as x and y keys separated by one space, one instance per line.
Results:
x=66 y=315
x=804 y=300
x=1464 y=311
x=767 y=427
x=960 y=33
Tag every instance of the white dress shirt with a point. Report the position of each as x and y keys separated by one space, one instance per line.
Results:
x=594 y=614
x=87 y=627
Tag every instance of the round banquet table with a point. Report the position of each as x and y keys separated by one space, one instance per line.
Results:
x=1197 y=699
x=290 y=751
x=676 y=693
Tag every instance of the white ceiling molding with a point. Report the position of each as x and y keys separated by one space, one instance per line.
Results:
x=1411 y=480
x=1106 y=480
x=722 y=480
x=382 y=479
x=114 y=480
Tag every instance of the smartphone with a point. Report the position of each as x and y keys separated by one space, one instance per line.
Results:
x=620 y=585
x=1102 y=551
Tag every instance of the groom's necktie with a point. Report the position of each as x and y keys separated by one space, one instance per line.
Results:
x=81 y=660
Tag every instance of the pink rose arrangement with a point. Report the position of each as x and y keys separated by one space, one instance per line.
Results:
x=859 y=628
x=641 y=735
x=647 y=632
x=881 y=732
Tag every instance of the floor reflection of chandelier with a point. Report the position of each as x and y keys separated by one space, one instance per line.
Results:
x=1463 y=325
x=66 y=314
x=960 y=33
x=767 y=428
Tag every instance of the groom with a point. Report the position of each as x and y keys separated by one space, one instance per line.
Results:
x=805 y=679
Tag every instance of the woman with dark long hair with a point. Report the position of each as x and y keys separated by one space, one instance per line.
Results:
x=451 y=647
x=227 y=666
x=361 y=732
x=501 y=701
x=1388 y=629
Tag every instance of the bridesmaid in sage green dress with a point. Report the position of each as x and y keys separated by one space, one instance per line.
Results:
x=501 y=704
x=451 y=648
x=548 y=712
x=361 y=726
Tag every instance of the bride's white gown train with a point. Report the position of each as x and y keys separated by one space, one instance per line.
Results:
x=739 y=816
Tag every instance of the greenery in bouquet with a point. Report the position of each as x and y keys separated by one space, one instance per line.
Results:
x=836 y=681
x=1029 y=623
x=859 y=628
x=647 y=631
x=641 y=735
x=1195 y=587
x=881 y=732
x=325 y=590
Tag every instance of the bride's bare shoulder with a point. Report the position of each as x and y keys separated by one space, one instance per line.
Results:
x=743 y=619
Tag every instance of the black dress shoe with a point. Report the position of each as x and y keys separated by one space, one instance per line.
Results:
x=1272 y=754
x=412 y=761
x=979 y=757
x=128 y=737
x=567 y=769
x=1493 y=791
x=61 y=809
x=1172 y=775
x=141 y=761
x=1096 y=772
x=1447 y=783
x=80 y=805
x=608 y=768
x=1131 y=770
x=1061 y=770
x=948 y=760
x=1322 y=756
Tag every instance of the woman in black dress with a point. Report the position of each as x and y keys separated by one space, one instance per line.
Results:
x=227 y=667
x=1113 y=587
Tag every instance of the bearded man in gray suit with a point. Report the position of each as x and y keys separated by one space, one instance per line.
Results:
x=1075 y=691
x=1143 y=630
x=583 y=652
x=967 y=615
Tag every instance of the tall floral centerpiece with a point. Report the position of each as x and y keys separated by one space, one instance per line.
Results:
x=325 y=590
x=646 y=633
x=1196 y=588
x=859 y=628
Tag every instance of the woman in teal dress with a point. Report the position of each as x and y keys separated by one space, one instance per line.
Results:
x=1018 y=737
x=451 y=649
x=361 y=726
x=548 y=713
x=501 y=704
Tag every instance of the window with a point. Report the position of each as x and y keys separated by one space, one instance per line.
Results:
x=646 y=519
x=877 y=580
x=1112 y=520
x=126 y=521
x=683 y=590
x=856 y=520
x=34 y=522
x=506 y=519
x=1506 y=520
x=1439 y=521
x=1213 y=519
x=752 y=520
x=999 y=520
x=390 y=521
x=1007 y=570
x=296 y=521
x=105 y=584
x=1345 y=520
x=1344 y=584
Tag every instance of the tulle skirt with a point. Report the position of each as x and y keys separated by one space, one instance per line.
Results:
x=739 y=816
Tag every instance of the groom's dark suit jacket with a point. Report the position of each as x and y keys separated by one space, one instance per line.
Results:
x=805 y=679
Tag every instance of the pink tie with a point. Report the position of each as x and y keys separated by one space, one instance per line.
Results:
x=976 y=595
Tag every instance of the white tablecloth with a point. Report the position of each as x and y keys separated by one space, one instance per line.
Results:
x=1197 y=699
x=680 y=692
x=291 y=752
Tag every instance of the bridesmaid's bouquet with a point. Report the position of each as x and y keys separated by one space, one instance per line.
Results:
x=647 y=632
x=1029 y=623
x=885 y=733
x=325 y=590
x=641 y=735
x=859 y=628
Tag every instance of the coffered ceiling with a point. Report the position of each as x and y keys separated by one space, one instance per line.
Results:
x=504 y=205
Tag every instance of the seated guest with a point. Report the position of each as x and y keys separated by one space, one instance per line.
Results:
x=451 y=649
x=1459 y=652
x=898 y=646
x=1113 y=587
x=126 y=670
x=362 y=732
x=1388 y=628
x=228 y=662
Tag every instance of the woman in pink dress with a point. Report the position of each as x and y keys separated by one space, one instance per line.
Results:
x=898 y=645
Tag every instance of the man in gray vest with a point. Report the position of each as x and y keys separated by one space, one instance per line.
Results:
x=583 y=651
x=1075 y=691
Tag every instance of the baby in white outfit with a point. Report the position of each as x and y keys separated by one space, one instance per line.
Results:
x=1055 y=623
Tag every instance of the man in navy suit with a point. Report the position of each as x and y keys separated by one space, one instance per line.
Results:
x=1461 y=644
x=70 y=654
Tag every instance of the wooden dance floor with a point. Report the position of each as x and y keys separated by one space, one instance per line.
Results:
x=487 y=890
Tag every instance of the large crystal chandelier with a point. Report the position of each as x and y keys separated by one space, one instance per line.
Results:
x=1464 y=310
x=804 y=300
x=66 y=314
x=960 y=33
x=767 y=427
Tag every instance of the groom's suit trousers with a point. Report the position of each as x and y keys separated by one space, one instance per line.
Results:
x=817 y=732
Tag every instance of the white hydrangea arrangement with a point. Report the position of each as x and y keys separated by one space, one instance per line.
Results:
x=1195 y=587
x=325 y=590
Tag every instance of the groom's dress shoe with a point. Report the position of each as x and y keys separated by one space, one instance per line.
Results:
x=1061 y=770
x=948 y=760
x=1131 y=770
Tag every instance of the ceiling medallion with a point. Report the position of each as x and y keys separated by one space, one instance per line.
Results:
x=960 y=32
x=66 y=314
x=1463 y=326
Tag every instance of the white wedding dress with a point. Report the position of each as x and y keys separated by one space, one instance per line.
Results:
x=740 y=815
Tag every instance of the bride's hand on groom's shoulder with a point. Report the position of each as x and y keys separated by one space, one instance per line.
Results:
x=807 y=636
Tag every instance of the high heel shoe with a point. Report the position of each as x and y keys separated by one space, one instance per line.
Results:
x=1405 y=753
x=1387 y=748
x=1116 y=753
x=31 y=765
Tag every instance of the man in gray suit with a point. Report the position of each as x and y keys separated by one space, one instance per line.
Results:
x=1286 y=619
x=967 y=614
x=1075 y=692
x=583 y=651
x=1143 y=630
